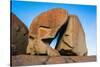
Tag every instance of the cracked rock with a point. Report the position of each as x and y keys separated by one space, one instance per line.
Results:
x=73 y=41
x=43 y=29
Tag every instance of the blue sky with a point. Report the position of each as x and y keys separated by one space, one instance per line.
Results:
x=27 y=11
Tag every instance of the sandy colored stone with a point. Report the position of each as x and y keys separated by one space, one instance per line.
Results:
x=73 y=40
x=19 y=36
x=43 y=29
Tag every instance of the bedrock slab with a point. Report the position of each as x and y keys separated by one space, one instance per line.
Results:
x=28 y=60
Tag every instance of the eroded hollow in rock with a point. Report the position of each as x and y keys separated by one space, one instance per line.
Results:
x=72 y=43
x=58 y=37
x=67 y=53
x=44 y=28
x=60 y=33
x=49 y=40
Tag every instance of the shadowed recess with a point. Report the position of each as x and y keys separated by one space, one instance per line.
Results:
x=58 y=36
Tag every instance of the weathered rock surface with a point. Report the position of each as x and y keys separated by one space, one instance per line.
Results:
x=73 y=40
x=43 y=29
x=55 y=60
x=19 y=36
x=28 y=60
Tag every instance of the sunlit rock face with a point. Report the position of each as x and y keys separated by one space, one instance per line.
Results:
x=19 y=36
x=54 y=23
x=43 y=30
x=72 y=42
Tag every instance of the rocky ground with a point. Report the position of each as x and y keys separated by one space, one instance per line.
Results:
x=27 y=60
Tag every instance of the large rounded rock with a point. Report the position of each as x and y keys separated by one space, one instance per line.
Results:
x=43 y=29
x=73 y=40
x=19 y=36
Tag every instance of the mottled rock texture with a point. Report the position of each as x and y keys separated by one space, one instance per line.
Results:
x=72 y=43
x=19 y=36
x=43 y=29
